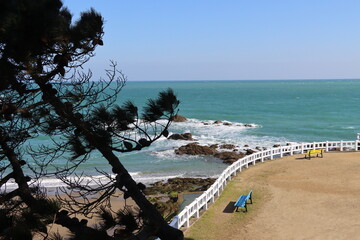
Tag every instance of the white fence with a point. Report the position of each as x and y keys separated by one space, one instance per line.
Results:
x=193 y=209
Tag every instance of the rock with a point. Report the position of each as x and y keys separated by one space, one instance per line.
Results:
x=217 y=122
x=249 y=151
x=259 y=148
x=206 y=123
x=214 y=146
x=184 y=136
x=195 y=149
x=248 y=125
x=227 y=146
x=228 y=157
x=276 y=145
x=227 y=124
x=179 y=185
x=167 y=195
x=246 y=145
x=178 y=118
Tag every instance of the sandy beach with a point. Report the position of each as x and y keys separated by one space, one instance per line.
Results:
x=294 y=198
x=116 y=204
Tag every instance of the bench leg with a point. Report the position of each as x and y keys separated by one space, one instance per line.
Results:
x=237 y=209
x=245 y=207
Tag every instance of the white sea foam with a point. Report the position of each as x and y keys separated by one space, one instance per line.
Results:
x=55 y=182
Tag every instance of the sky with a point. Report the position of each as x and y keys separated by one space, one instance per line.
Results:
x=227 y=40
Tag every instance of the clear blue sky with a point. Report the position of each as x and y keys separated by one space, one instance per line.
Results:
x=228 y=40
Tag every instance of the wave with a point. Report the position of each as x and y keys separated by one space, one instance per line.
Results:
x=56 y=182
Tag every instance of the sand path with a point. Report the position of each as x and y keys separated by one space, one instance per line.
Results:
x=294 y=198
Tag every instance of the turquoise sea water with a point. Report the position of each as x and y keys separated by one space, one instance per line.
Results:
x=283 y=111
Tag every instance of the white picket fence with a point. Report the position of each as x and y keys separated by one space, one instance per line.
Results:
x=202 y=202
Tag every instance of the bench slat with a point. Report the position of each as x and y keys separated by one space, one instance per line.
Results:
x=242 y=201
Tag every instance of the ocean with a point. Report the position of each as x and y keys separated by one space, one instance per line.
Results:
x=282 y=111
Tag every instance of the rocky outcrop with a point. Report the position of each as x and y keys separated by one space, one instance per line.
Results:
x=178 y=118
x=184 y=136
x=167 y=195
x=180 y=185
x=228 y=157
x=195 y=149
x=218 y=122
x=250 y=151
x=227 y=146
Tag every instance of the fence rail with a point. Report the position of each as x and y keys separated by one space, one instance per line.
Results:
x=202 y=202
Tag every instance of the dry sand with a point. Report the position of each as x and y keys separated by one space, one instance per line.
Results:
x=116 y=204
x=294 y=198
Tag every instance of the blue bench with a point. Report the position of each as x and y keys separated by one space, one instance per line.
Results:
x=243 y=200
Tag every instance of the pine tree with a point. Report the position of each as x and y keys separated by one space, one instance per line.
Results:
x=44 y=92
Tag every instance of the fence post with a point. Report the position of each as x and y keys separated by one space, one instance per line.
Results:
x=187 y=217
x=357 y=145
x=314 y=146
x=291 y=150
x=327 y=146
x=302 y=148
x=197 y=208
x=271 y=154
x=341 y=146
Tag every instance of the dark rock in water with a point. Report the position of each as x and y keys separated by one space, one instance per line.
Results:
x=227 y=146
x=214 y=146
x=217 y=122
x=228 y=157
x=206 y=123
x=246 y=145
x=195 y=149
x=258 y=148
x=250 y=151
x=248 y=125
x=184 y=136
x=276 y=145
x=178 y=118
x=227 y=124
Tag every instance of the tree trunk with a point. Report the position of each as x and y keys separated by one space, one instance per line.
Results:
x=156 y=221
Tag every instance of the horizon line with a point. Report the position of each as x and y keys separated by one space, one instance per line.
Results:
x=228 y=80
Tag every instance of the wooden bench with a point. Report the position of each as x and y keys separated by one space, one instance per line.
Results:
x=242 y=201
x=316 y=151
